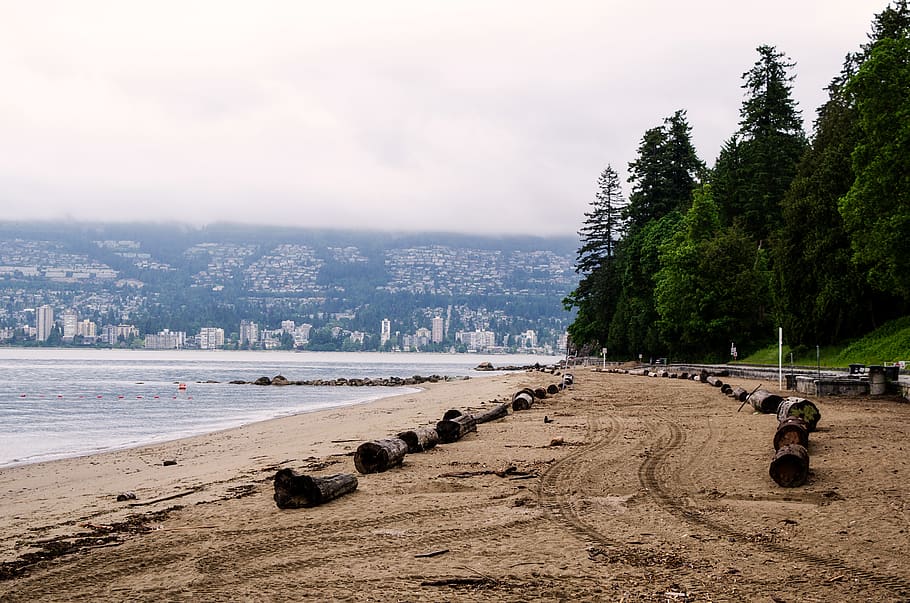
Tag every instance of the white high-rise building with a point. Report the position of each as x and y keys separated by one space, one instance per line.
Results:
x=44 y=322
x=386 y=331
x=211 y=338
x=438 y=329
x=249 y=332
x=70 y=324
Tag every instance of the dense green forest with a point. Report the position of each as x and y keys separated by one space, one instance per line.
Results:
x=804 y=232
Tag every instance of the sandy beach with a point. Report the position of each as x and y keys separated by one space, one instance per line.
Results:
x=633 y=489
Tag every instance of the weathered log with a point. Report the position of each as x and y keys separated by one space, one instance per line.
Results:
x=568 y=379
x=379 y=455
x=420 y=439
x=792 y=430
x=454 y=429
x=552 y=389
x=497 y=412
x=790 y=467
x=540 y=393
x=764 y=401
x=712 y=380
x=726 y=389
x=294 y=490
x=522 y=401
x=451 y=414
x=740 y=393
x=799 y=407
x=683 y=375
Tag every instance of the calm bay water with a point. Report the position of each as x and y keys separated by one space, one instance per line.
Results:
x=57 y=403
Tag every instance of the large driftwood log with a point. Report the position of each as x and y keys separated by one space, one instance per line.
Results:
x=420 y=439
x=799 y=407
x=540 y=392
x=792 y=430
x=764 y=401
x=740 y=393
x=552 y=389
x=497 y=412
x=522 y=401
x=568 y=379
x=451 y=414
x=294 y=490
x=452 y=430
x=379 y=455
x=790 y=467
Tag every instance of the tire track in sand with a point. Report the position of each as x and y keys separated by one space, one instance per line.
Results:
x=560 y=476
x=648 y=477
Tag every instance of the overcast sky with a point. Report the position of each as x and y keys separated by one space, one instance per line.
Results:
x=470 y=116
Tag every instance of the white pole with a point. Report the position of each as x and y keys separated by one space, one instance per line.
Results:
x=780 y=357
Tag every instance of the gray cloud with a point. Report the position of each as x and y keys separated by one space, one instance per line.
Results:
x=468 y=116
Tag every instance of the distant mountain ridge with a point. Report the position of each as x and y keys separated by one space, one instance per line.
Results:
x=169 y=275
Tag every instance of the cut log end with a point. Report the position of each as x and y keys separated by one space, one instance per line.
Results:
x=380 y=455
x=790 y=467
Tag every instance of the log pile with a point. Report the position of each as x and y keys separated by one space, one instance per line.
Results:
x=294 y=490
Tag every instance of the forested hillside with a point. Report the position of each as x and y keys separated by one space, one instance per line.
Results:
x=805 y=232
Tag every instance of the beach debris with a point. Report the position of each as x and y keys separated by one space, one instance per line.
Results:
x=295 y=490
x=497 y=412
x=163 y=498
x=431 y=554
x=557 y=442
x=169 y=463
x=124 y=496
x=453 y=429
x=523 y=399
x=791 y=430
x=547 y=419
x=765 y=402
x=420 y=439
x=379 y=455
x=799 y=407
x=790 y=466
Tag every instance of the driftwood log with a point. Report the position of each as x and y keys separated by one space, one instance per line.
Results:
x=792 y=430
x=497 y=412
x=740 y=393
x=522 y=400
x=379 y=455
x=568 y=379
x=790 y=467
x=294 y=490
x=452 y=430
x=451 y=414
x=420 y=439
x=540 y=392
x=799 y=407
x=552 y=389
x=712 y=380
x=764 y=401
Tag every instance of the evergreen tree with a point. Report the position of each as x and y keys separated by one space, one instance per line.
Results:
x=876 y=209
x=664 y=173
x=595 y=294
x=757 y=164
x=602 y=224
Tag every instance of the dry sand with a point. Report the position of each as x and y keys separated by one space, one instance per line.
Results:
x=659 y=492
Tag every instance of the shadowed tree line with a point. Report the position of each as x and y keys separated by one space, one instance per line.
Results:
x=811 y=233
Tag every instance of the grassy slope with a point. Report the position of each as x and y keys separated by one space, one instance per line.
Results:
x=889 y=343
